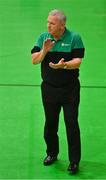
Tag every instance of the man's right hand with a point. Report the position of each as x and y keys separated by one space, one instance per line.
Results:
x=38 y=57
x=47 y=45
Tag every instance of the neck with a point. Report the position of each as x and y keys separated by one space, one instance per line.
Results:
x=58 y=35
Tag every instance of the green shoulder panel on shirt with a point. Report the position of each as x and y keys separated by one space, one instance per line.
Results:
x=67 y=42
x=76 y=41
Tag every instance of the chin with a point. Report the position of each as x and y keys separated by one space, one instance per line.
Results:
x=50 y=31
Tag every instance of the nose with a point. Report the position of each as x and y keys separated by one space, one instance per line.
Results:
x=48 y=25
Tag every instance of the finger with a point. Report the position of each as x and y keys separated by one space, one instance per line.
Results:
x=52 y=65
x=53 y=42
x=47 y=40
x=61 y=61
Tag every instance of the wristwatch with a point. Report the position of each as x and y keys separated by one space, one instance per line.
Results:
x=65 y=67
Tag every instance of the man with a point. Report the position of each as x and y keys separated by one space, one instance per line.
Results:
x=60 y=53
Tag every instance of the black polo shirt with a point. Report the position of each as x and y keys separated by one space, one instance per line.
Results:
x=69 y=46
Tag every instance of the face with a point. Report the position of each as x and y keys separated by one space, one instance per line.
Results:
x=54 y=25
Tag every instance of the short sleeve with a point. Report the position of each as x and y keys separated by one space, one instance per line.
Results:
x=39 y=42
x=38 y=45
x=77 y=47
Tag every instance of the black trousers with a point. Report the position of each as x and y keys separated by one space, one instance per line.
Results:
x=68 y=98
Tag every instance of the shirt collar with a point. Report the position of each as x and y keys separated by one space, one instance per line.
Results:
x=62 y=36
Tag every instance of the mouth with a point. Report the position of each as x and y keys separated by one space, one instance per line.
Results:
x=49 y=29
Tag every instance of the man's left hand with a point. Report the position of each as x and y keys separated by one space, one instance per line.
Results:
x=59 y=65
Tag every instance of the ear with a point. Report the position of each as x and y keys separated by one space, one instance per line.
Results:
x=63 y=26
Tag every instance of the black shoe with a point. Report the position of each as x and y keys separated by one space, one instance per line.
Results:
x=73 y=168
x=49 y=160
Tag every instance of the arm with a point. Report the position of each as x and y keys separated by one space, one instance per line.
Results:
x=73 y=64
x=38 y=57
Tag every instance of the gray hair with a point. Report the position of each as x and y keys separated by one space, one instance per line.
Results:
x=60 y=14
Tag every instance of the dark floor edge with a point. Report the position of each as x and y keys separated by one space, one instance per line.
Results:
x=38 y=85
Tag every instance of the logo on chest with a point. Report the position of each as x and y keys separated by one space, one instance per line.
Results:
x=65 y=44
